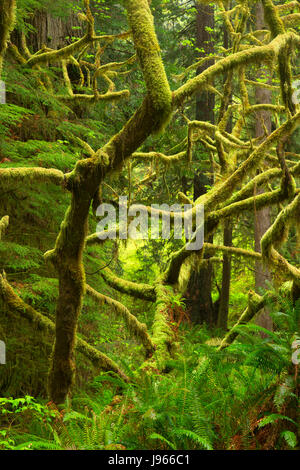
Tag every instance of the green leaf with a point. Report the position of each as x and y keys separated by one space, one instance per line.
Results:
x=290 y=438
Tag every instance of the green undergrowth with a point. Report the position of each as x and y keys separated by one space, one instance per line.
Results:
x=241 y=398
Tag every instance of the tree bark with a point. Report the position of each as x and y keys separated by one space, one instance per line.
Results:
x=52 y=31
x=226 y=277
x=199 y=300
x=262 y=218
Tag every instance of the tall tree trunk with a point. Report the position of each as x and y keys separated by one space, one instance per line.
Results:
x=53 y=31
x=199 y=299
x=226 y=276
x=262 y=218
x=50 y=30
x=223 y=302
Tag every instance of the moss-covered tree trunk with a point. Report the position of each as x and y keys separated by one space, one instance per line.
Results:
x=7 y=18
x=83 y=183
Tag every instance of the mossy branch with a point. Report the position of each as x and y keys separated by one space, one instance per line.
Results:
x=137 y=290
x=277 y=28
x=292 y=20
x=84 y=182
x=160 y=156
x=27 y=176
x=98 y=238
x=236 y=208
x=177 y=259
x=255 y=304
x=210 y=247
x=224 y=190
x=257 y=54
x=148 y=53
x=162 y=334
x=170 y=276
x=288 y=6
x=137 y=329
x=17 y=305
x=276 y=235
x=107 y=97
x=268 y=175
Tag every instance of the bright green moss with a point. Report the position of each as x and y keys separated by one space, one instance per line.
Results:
x=148 y=52
x=7 y=20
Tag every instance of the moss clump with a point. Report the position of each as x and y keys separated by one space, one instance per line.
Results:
x=162 y=334
x=3 y=225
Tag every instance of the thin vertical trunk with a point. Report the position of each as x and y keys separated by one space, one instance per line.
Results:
x=262 y=218
x=199 y=299
x=223 y=302
x=226 y=276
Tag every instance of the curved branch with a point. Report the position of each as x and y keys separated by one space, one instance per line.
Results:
x=255 y=304
x=139 y=330
x=137 y=290
x=17 y=305
x=257 y=54
x=276 y=235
